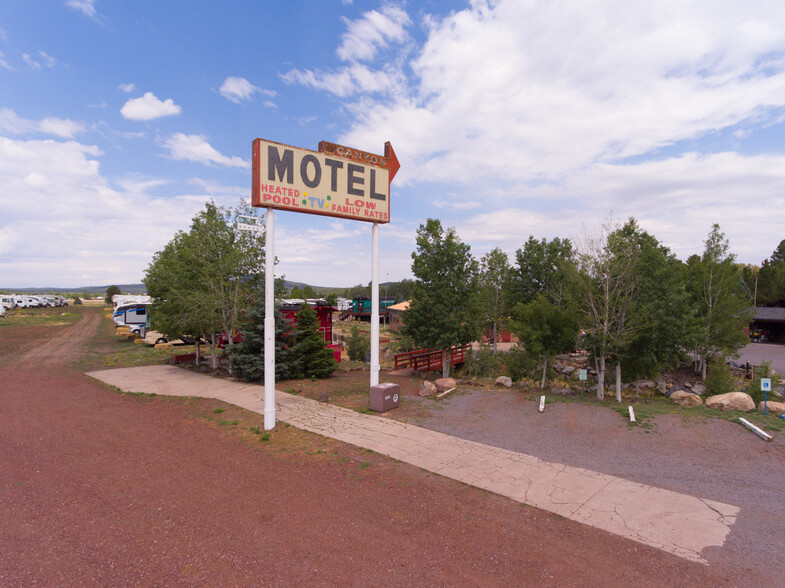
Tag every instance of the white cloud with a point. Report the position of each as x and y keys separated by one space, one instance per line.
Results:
x=148 y=107
x=49 y=61
x=237 y=89
x=11 y=123
x=196 y=148
x=361 y=42
x=86 y=7
x=31 y=63
x=533 y=91
x=127 y=88
x=373 y=31
x=86 y=232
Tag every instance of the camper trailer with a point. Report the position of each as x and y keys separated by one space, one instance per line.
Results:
x=7 y=301
x=133 y=315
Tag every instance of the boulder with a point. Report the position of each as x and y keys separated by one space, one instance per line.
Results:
x=773 y=407
x=646 y=384
x=779 y=392
x=427 y=389
x=568 y=370
x=443 y=384
x=684 y=398
x=505 y=381
x=699 y=389
x=662 y=386
x=674 y=388
x=740 y=401
x=563 y=391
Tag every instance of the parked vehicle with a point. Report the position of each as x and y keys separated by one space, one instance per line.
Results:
x=2 y=310
x=133 y=315
x=7 y=301
x=32 y=302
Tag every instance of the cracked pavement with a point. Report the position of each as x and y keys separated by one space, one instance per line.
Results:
x=673 y=522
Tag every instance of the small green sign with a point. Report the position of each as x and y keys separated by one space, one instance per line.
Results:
x=583 y=375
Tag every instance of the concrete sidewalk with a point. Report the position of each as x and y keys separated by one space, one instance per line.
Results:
x=677 y=523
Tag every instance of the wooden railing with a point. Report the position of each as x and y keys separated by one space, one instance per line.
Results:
x=428 y=360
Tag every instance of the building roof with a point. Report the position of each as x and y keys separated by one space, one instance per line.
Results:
x=401 y=306
x=770 y=314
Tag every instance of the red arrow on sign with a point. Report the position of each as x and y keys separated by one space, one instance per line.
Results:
x=388 y=160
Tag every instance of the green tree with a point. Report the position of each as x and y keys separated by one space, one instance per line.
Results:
x=602 y=287
x=295 y=292
x=314 y=359
x=494 y=277
x=246 y=359
x=771 y=278
x=540 y=268
x=357 y=345
x=659 y=305
x=111 y=291
x=332 y=299
x=443 y=310
x=719 y=301
x=202 y=280
x=545 y=330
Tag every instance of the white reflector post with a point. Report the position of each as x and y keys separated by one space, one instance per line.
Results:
x=269 y=323
x=375 y=305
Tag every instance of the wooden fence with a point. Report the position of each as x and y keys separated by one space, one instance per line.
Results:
x=428 y=360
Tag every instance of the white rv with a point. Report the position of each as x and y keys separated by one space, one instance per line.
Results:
x=7 y=301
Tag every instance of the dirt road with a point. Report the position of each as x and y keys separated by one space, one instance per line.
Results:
x=99 y=488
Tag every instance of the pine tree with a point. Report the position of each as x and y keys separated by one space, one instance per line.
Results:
x=246 y=359
x=314 y=359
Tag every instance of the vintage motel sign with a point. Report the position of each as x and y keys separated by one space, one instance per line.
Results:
x=335 y=181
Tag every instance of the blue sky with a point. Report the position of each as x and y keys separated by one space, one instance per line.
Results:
x=118 y=120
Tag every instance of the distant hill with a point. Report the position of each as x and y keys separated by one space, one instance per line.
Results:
x=125 y=288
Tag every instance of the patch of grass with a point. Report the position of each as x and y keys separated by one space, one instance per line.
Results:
x=33 y=317
x=364 y=465
x=218 y=410
x=365 y=410
x=264 y=436
x=255 y=430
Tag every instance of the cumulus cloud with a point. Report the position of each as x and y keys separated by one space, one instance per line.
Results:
x=127 y=88
x=237 y=89
x=56 y=185
x=375 y=30
x=148 y=107
x=547 y=88
x=11 y=123
x=196 y=148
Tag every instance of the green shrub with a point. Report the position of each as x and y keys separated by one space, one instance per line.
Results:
x=720 y=378
x=357 y=345
x=521 y=364
x=484 y=363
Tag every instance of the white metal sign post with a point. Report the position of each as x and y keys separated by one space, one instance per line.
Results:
x=269 y=323
x=335 y=181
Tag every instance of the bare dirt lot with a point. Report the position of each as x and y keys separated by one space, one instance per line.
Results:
x=102 y=488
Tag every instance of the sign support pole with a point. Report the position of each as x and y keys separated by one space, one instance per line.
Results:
x=375 y=305
x=269 y=322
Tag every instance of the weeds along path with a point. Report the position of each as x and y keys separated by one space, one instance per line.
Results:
x=65 y=346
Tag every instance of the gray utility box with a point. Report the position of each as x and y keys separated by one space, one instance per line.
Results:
x=385 y=396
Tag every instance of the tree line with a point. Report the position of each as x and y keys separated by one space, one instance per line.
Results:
x=616 y=292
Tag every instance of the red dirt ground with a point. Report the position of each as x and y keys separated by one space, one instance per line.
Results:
x=101 y=488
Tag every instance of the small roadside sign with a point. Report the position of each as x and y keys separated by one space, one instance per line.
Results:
x=583 y=375
x=765 y=386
